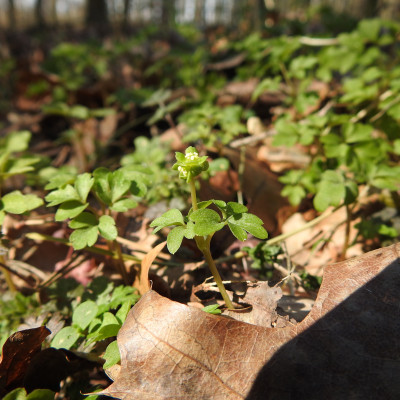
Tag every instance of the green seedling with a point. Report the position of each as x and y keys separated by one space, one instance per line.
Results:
x=96 y=316
x=201 y=222
x=212 y=124
x=90 y=202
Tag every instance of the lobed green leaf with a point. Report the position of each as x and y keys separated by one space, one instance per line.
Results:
x=206 y=221
x=69 y=209
x=83 y=184
x=174 y=238
x=107 y=227
x=171 y=217
x=84 y=313
x=18 y=203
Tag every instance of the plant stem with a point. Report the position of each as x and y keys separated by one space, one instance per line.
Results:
x=117 y=259
x=7 y=276
x=242 y=164
x=121 y=262
x=194 y=195
x=204 y=246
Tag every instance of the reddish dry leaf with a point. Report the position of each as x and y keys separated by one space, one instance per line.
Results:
x=18 y=351
x=347 y=347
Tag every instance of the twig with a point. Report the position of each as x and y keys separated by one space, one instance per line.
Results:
x=309 y=41
x=252 y=139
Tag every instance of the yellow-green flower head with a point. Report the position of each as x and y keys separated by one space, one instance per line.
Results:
x=189 y=165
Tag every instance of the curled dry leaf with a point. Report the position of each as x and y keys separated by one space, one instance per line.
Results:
x=347 y=347
x=142 y=281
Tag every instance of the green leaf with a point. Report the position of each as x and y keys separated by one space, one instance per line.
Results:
x=65 y=338
x=60 y=179
x=287 y=133
x=249 y=223
x=102 y=184
x=123 y=312
x=119 y=185
x=16 y=394
x=175 y=238
x=396 y=146
x=238 y=232
x=294 y=193
x=83 y=220
x=79 y=112
x=19 y=165
x=83 y=184
x=61 y=195
x=206 y=222
x=84 y=313
x=109 y=328
x=84 y=237
x=107 y=227
x=212 y=309
x=331 y=190
x=41 y=394
x=357 y=132
x=235 y=208
x=69 y=209
x=2 y=216
x=18 y=203
x=111 y=355
x=18 y=141
x=171 y=217
x=123 y=205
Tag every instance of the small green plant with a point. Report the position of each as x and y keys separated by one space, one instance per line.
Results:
x=155 y=155
x=94 y=317
x=90 y=200
x=201 y=222
x=263 y=255
x=212 y=124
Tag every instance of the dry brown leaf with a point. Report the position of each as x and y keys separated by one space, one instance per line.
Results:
x=347 y=347
x=142 y=280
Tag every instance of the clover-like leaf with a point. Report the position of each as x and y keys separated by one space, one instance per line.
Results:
x=123 y=205
x=84 y=313
x=83 y=220
x=175 y=238
x=111 y=355
x=237 y=231
x=18 y=203
x=107 y=227
x=206 y=221
x=119 y=185
x=331 y=190
x=84 y=237
x=19 y=165
x=17 y=141
x=61 y=195
x=249 y=223
x=83 y=184
x=69 y=209
x=102 y=185
x=65 y=338
x=171 y=217
x=235 y=208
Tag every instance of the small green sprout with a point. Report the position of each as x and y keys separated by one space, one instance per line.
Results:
x=202 y=222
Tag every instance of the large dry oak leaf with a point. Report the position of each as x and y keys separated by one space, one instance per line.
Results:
x=346 y=348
